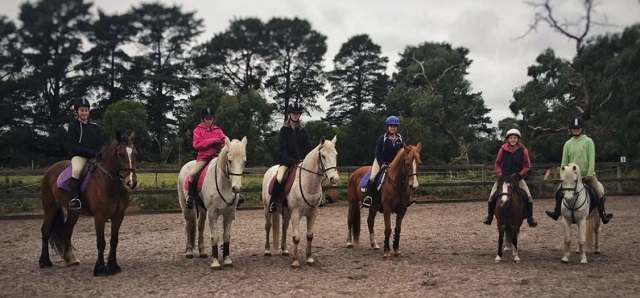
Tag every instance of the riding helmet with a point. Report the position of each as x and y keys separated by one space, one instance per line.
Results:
x=576 y=123
x=393 y=120
x=512 y=131
x=207 y=112
x=295 y=107
x=81 y=102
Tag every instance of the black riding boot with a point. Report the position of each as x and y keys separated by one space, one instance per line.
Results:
x=532 y=222
x=75 y=203
x=191 y=193
x=604 y=216
x=556 y=210
x=276 y=196
x=368 y=199
x=491 y=207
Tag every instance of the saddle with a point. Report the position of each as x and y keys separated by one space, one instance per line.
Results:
x=287 y=178
x=85 y=175
x=199 y=178
x=377 y=182
x=593 y=196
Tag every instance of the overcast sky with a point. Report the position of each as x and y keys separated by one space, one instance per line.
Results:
x=489 y=29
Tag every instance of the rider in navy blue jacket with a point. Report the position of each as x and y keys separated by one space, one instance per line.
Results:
x=294 y=146
x=85 y=142
x=387 y=147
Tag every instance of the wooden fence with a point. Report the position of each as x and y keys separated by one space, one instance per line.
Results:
x=611 y=174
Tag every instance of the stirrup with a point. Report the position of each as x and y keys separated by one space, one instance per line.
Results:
x=367 y=202
x=75 y=204
x=272 y=207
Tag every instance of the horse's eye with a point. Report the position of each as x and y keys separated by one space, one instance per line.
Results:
x=323 y=157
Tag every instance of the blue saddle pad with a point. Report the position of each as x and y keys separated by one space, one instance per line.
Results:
x=365 y=178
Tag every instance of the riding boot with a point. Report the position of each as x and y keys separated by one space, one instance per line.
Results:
x=604 y=216
x=191 y=194
x=556 y=210
x=366 y=203
x=276 y=195
x=74 y=185
x=491 y=207
x=532 y=222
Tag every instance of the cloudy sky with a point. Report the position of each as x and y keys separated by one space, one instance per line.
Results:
x=489 y=29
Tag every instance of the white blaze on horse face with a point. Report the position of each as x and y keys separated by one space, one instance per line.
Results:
x=415 y=174
x=505 y=190
x=129 y=153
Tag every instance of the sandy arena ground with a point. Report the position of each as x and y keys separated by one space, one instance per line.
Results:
x=446 y=252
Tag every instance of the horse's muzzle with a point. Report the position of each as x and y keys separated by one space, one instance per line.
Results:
x=132 y=185
x=236 y=189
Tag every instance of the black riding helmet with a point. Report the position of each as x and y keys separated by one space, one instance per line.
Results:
x=295 y=107
x=576 y=123
x=207 y=112
x=81 y=102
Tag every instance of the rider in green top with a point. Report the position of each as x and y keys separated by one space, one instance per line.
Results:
x=580 y=150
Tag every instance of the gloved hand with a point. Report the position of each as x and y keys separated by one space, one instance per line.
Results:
x=98 y=154
x=588 y=178
x=383 y=167
x=517 y=176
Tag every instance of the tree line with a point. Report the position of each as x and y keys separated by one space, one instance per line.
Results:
x=143 y=70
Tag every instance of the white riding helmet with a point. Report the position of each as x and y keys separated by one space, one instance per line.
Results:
x=512 y=131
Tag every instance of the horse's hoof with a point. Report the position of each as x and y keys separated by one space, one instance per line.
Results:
x=215 y=265
x=100 y=270
x=375 y=247
x=497 y=259
x=295 y=265
x=516 y=260
x=45 y=263
x=583 y=261
x=73 y=263
x=386 y=255
x=311 y=262
x=565 y=260
x=204 y=256
x=397 y=253
x=285 y=253
x=349 y=245
x=597 y=252
x=113 y=269
x=189 y=256
x=227 y=262
x=267 y=253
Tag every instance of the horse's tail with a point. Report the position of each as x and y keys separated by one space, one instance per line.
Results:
x=591 y=230
x=275 y=228
x=354 y=219
x=58 y=238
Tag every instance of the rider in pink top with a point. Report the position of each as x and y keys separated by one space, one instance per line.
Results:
x=208 y=140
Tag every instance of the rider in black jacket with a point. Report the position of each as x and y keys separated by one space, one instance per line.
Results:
x=294 y=146
x=85 y=142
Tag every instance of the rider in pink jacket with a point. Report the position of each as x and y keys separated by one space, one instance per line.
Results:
x=208 y=140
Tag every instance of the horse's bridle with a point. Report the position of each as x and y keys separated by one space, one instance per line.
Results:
x=574 y=198
x=118 y=170
x=322 y=173
x=227 y=174
x=407 y=175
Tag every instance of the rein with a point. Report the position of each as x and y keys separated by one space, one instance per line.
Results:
x=405 y=181
x=118 y=170
x=574 y=200
x=323 y=173
x=227 y=175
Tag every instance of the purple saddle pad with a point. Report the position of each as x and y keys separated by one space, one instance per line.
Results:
x=365 y=178
x=63 y=180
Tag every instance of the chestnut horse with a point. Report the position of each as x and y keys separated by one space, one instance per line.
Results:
x=393 y=195
x=509 y=215
x=105 y=198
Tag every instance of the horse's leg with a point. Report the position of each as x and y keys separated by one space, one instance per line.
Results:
x=567 y=240
x=201 y=250
x=69 y=224
x=49 y=215
x=371 y=219
x=190 y=230
x=286 y=219
x=295 y=222
x=500 y=243
x=596 y=234
x=112 y=263
x=268 y=222
x=514 y=242
x=226 y=238
x=582 y=235
x=99 y=268
x=387 y=232
x=311 y=220
x=396 y=233
x=213 y=220
x=350 y=226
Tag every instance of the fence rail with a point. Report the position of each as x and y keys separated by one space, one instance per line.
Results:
x=486 y=178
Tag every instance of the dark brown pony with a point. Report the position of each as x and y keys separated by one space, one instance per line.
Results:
x=509 y=215
x=106 y=197
x=394 y=197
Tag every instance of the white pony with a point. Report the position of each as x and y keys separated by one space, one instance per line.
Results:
x=303 y=198
x=220 y=194
x=576 y=208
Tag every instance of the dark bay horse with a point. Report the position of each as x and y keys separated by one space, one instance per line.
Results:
x=509 y=215
x=106 y=197
x=394 y=197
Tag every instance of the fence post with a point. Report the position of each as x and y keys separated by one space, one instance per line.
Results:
x=484 y=180
x=156 y=178
x=618 y=175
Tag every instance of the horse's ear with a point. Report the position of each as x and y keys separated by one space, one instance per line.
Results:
x=244 y=141
x=562 y=168
x=132 y=136
x=322 y=140
x=335 y=139
x=419 y=146
x=226 y=140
